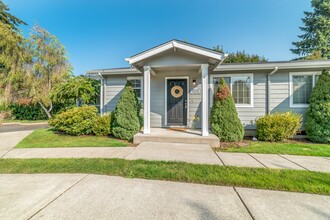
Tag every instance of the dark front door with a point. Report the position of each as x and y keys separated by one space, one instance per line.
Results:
x=177 y=102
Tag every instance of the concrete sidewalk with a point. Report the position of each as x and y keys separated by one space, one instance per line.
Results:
x=81 y=196
x=190 y=153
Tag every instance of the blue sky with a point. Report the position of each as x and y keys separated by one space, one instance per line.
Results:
x=100 y=34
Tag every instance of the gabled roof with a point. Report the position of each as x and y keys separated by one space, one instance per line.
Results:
x=175 y=44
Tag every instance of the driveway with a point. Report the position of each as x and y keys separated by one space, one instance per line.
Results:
x=21 y=127
x=82 y=196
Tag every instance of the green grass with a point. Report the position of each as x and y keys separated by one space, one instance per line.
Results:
x=261 y=178
x=292 y=148
x=44 y=138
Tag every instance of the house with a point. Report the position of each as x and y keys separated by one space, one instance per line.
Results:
x=176 y=80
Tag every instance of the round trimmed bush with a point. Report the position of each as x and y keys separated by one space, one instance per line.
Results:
x=318 y=112
x=101 y=126
x=278 y=126
x=75 y=121
x=224 y=118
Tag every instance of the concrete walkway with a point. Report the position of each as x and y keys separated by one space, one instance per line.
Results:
x=81 y=196
x=190 y=153
x=276 y=161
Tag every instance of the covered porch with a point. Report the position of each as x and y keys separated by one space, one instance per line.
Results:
x=175 y=89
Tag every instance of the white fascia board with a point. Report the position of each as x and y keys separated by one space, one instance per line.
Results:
x=198 y=51
x=272 y=65
x=170 y=45
x=150 y=53
x=115 y=71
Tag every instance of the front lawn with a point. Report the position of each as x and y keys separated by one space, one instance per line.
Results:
x=291 y=148
x=44 y=138
x=260 y=178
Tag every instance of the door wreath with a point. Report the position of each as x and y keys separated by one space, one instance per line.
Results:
x=176 y=91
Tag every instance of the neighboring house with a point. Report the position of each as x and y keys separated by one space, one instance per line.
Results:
x=175 y=82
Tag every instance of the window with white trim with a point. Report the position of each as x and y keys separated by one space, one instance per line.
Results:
x=241 y=88
x=301 y=87
x=137 y=84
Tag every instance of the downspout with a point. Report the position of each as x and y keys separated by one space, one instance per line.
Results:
x=102 y=94
x=268 y=89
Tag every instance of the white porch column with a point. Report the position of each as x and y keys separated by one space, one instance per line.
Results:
x=146 y=99
x=205 y=99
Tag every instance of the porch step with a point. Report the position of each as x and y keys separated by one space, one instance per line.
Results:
x=186 y=137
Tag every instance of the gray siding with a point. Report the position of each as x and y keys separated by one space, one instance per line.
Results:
x=113 y=89
x=157 y=98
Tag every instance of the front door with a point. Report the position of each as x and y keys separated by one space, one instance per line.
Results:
x=177 y=102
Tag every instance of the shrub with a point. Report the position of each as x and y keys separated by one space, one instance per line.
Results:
x=318 y=112
x=101 y=126
x=75 y=121
x=224 y=118
x=127 y=117
x=25 y=111
x=278 y=126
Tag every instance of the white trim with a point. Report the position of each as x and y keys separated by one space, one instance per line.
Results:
x=188 y=92
x=272 y=65
x=291 y=74
x=146 y=100
x=205 y=100
x=174 y=44
x=251 y=105
x=141 y=83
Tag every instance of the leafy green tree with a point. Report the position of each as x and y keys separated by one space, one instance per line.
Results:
x=49 y=66
x=9 y=19
x=318 y=112
x=11 y=55
x=224 y=118
x=241 y=56
x=74 y=90
x=316 y=32
x=126 y=121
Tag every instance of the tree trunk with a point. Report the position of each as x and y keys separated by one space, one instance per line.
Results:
x=45 y=110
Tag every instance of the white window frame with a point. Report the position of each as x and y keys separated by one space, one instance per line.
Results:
x=251 y=105
x=292 y=74
x=137 y=78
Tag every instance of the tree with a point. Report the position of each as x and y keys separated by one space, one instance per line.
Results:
x=11 y=54
x=74 y=90
x=316 y=32
x=224 y=118
x=318 y=112
x=9 y=19
x=126 y=121
x=48 y=66
x=240 y=56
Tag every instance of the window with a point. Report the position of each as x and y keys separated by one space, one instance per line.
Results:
x=301 y=87
x=241 y=88
x=137 y=85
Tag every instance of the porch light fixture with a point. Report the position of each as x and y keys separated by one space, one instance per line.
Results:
x=194 y=81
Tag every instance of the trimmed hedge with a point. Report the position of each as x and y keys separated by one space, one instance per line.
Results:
x=75 y=121
x=278 y=126
x=27 y=112
x=224 y=118
x=318 y=112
